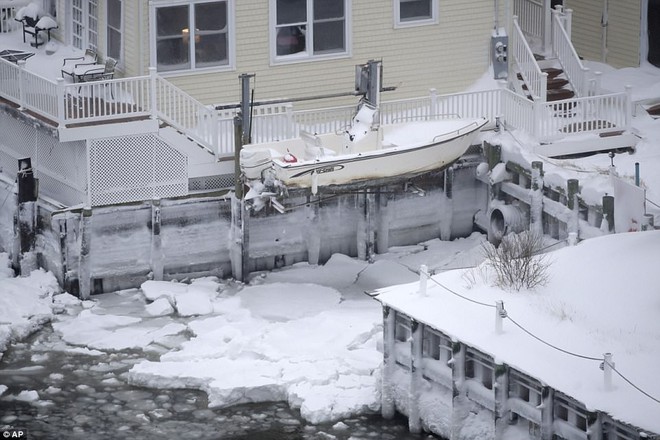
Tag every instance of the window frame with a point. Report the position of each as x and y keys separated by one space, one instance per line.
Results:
x=231 y=37
x=307 y=55
x=120 y=31
x=398 y=23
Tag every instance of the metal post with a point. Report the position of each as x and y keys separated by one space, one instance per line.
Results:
x=500 y=314
x=238 y=145
x=423 y=277
x=608 y=366
x=246 y=107
x=636 y=173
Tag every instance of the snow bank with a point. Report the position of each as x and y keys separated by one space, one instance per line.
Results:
x=25 y=302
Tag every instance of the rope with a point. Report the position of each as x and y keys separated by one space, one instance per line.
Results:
x=461 y=296
x=632 y=384
x=591 y=358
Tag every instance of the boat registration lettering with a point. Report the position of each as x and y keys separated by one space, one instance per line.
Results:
x=325 y=170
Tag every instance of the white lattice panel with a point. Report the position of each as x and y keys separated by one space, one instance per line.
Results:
x=133 y=168
x=60 y=167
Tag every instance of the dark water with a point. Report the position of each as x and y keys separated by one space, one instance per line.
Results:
x=87 y=397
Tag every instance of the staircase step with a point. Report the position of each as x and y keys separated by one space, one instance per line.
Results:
x=553 y=84
x=559 y=94
x=654 y=110
x=552 y=72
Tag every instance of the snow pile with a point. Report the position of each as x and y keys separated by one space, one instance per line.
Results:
x=602 y=297
x=25 y=302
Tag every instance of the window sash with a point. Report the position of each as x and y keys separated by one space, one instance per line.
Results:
x=415 y=12
x=323 y=31
x=189 y=40
x=114 y=29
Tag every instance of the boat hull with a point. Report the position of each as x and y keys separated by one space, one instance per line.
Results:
x=377 y=165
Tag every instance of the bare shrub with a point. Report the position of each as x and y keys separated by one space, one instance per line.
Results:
x=517 y=262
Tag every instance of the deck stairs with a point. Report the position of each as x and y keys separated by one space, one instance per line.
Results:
x=566 y=107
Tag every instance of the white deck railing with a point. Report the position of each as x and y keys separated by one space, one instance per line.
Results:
x=534 y=16
x=563 y=49
x=183 y=112
x=536 y=80
x=152 y=96
x=66 y=104
x=551 y=121
x=8 y=11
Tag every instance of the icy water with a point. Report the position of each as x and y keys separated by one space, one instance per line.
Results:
x=87 y=397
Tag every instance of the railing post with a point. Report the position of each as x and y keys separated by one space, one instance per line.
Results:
x=568 y=22
x=153 y=102
x=215 y=131
x=21 y=84
x=61 y=98
x=547 y=26
x=628 y=89
x=584 y=82
x=433 y=111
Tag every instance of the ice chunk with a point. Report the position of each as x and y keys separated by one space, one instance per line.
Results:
x=160 y=307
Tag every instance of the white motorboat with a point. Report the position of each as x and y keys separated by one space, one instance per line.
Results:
x=364 y=153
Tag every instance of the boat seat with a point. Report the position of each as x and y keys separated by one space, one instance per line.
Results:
x=313 y=146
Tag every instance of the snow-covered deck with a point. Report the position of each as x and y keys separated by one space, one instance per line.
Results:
x=601 y=298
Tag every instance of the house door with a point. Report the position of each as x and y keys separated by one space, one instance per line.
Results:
x=84 y=23
x=653 y=26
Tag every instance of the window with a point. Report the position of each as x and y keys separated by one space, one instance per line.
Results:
x=415 y=12
x=192 y=35
x=84 y=24
x=309 y=28
x=113 y=37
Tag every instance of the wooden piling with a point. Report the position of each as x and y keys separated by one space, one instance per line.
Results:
x=608 y=212
x=547 y=413
x=383 y=223
x=388 y=405
x=84 y=260
x=572 y=203
x=156 y=242
x=26 y=219
x=458 y=410
x=416 y=379
x=501 y=393
x=536 y=199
